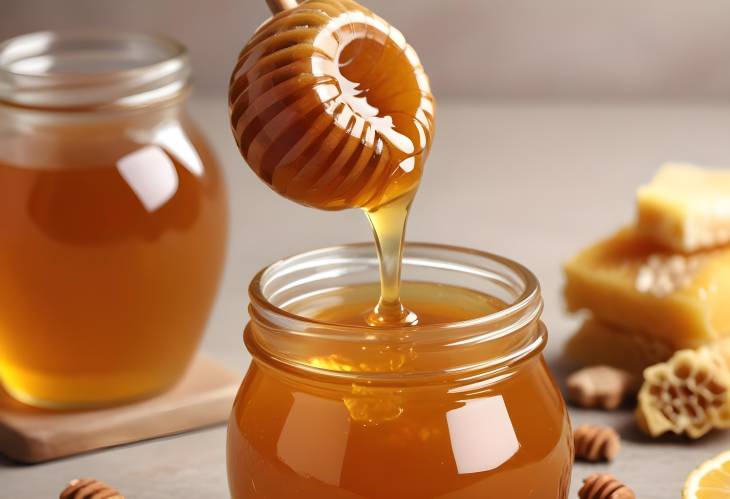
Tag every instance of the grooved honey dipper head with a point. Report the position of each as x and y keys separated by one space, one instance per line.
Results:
x=331 y=107
x=88 y=488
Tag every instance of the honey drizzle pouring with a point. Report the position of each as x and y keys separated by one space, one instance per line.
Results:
x=389 y=226
x=332 y=109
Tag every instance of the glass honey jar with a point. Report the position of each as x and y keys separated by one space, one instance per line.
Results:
x=113 y=218
x=460 y=405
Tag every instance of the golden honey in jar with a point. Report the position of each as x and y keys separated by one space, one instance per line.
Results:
x=113 y=218
x=460 y=405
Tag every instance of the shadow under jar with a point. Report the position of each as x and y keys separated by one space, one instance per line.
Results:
x=113 y=218
x=461 y=406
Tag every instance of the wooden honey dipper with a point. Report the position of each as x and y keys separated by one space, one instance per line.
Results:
x=280 y=5
x=331 y=107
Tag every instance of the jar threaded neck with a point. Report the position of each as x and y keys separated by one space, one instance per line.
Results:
x=91 y=70
x=478 y=345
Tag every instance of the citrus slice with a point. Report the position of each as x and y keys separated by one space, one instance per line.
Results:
x=709 y=481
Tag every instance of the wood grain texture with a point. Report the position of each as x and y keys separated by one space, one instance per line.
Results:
x=202 y=398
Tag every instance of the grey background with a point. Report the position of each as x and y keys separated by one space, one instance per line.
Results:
x=539 y=151
x=566 y=49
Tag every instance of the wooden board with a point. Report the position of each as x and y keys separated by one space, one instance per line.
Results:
x=202 y=398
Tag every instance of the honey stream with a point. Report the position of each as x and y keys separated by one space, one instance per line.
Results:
x=332 y=109
x=389 y=227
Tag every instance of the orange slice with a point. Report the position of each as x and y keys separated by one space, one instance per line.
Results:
x=711 y=480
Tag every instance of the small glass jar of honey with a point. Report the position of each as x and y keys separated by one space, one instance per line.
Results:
x=459 y=405
x=113 y=218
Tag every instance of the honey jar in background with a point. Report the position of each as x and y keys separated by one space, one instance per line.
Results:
x=459 y=406
x=113 y=218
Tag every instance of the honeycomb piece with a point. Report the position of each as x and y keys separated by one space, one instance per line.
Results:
x=331 y=107
x=662 y=275
x=596 y=343
x=686 y=207
x=688 y=394
x=631 y=283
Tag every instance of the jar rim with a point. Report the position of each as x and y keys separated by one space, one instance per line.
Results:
x=485 y=345
x=91 y=69
x=524 y=301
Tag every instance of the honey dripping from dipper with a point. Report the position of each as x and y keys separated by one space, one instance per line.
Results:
x=332 y=109
x=345 y=397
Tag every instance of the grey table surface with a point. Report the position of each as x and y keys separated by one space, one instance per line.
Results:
x=532 y=181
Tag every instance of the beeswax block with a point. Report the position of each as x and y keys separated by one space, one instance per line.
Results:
x=596 y=343
x=631 y=282
x=686 y=208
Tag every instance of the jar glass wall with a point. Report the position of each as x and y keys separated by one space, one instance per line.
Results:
x=456 y=410
x=113 y=218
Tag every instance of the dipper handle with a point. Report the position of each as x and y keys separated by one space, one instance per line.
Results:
x=277 y=6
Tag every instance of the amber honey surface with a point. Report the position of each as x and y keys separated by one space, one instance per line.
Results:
x=294 y=434
x=110 y=254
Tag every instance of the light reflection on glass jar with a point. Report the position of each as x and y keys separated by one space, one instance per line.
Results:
x=113 y=218
x=456 y=410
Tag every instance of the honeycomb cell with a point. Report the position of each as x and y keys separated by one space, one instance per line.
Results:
x=688 y=394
